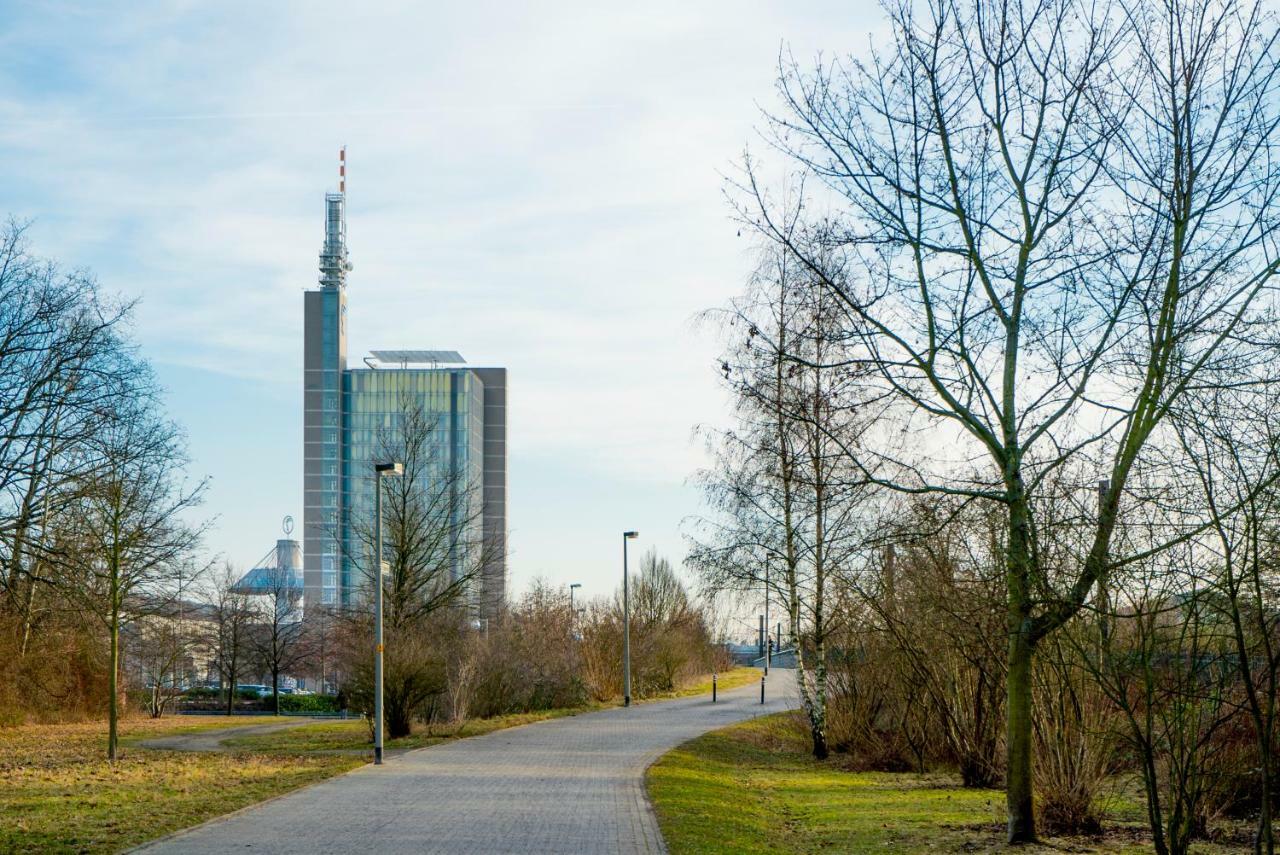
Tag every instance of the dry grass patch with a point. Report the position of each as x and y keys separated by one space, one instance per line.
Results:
x=734 y=678
x=61 y=795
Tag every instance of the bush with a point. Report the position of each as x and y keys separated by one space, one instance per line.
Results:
x=528 y=661
x=63 y=675
x=309 y=704
x=1074 y=738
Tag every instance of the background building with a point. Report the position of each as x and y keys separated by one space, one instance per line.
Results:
x=278 y=574
x=346 y=410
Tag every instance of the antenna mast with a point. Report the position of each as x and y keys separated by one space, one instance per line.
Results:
x=333 y=255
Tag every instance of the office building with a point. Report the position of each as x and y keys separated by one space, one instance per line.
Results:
x=352 y=414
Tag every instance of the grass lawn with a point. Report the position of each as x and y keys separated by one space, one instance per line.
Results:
x=754 y=788
x=59 y=794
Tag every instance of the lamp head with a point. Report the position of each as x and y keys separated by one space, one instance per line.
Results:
x=388 y=468
x=575 y=584
x=631 y=535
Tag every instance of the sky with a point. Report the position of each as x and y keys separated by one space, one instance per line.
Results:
x=539 y=186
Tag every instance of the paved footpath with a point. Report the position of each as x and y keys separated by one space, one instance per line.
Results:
x=568 y=785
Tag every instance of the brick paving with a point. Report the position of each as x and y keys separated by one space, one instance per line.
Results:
x=569 y=785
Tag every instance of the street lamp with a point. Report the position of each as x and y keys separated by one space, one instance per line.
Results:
x=379 y=469
x=768 y=645
x=573 y=613
x=626 y=621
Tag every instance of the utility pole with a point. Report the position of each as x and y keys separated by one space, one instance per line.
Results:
x=626 y=620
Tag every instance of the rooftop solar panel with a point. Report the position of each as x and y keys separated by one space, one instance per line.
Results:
x=418 y=357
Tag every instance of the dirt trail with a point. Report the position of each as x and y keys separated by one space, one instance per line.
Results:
x=211 y=740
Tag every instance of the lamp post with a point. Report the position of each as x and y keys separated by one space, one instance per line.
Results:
x=626 y=621
x=764 y=626
x=768 y=645
x=573 y=614
x=379 y=469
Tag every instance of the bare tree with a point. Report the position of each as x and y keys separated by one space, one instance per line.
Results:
x=232 y=621
x=434 y=554
x=668 y=629
x=126 y=535
x=278 y=637
x=783 y=495
x=1231 y=439
x=1061 y=215
x=321 y=644
x=1163 y=667
x=163 y=639
x=64 y=364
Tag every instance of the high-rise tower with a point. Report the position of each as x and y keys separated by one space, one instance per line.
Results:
x=347 y=412
x=324 y=361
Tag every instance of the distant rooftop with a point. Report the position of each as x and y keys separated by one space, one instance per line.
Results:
x=413 y=357
x=267 y=580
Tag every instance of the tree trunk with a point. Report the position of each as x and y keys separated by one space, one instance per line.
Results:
x=1018 y=778
x=28 y=617
x=1019 y=784
x=275 y=688
x=231 y=688
x=398 y=716
x=1265 y=842
x=113 y=707
x=818 y=716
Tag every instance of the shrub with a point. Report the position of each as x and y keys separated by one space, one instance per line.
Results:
x=309 y=704
x=1074 y=737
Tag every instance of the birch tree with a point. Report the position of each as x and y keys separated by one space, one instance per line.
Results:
x=785 y=508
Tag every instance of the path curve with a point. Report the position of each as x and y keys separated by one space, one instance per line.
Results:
x=567 y=785
x=211 y=740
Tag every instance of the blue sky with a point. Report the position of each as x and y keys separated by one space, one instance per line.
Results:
x=538 y=186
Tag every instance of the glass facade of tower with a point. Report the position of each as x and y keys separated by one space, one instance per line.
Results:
x=374 y=402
